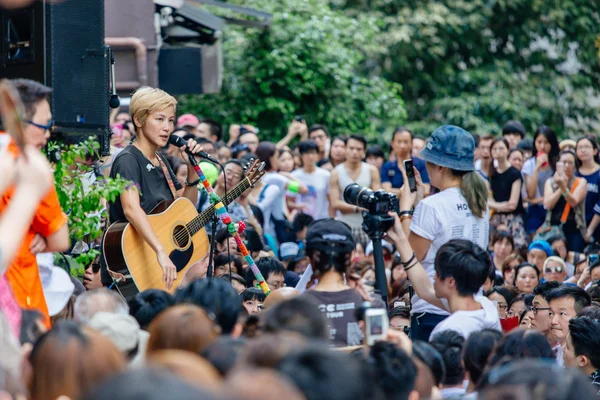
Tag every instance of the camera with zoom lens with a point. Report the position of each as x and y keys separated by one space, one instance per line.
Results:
x=376 y=203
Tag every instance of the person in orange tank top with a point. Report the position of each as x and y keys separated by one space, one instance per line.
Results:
x=48 y=231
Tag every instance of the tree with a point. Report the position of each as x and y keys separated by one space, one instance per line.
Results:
x=479 y=63
x=307 y=63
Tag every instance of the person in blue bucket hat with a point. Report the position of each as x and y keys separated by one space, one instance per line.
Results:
x=458 y=211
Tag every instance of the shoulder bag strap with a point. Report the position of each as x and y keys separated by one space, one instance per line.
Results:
x=567 y=209
x=167 y=176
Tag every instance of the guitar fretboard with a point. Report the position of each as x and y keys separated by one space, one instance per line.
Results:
x=205 y=216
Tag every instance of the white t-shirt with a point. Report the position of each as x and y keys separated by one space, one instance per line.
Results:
x=467 y=322
x=441 y=218
x=543 y=175
x=317 y=203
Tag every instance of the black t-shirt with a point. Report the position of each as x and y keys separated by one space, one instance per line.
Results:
x=132 y=165
x=339 y=308
x=501 y=185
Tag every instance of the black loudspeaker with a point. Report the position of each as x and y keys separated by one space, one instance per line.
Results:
x=62 y=46
x=180 y=70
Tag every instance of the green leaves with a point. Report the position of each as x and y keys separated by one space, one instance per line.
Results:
x=81 y=197
x=308 y=62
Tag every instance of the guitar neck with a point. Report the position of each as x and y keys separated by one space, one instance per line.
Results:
x=196 y=224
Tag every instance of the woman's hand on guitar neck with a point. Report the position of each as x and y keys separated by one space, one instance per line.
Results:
x=169 y=270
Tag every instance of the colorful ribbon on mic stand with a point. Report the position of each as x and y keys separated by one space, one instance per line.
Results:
x=226 y=219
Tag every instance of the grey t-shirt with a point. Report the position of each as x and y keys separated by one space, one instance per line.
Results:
x=339 y=308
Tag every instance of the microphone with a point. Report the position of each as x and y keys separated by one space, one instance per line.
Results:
x=177 y=141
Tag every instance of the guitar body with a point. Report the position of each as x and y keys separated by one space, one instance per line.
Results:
x=126 y=252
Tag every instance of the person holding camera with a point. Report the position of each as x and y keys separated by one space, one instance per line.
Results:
x=458 y=211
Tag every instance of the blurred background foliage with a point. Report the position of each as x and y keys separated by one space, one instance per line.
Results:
x=368 y=66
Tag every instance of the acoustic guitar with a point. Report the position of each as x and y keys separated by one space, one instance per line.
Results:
x=179 y=228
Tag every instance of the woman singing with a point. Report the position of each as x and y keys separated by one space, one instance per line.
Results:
x=153 y=115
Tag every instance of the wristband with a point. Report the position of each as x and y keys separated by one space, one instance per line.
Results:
x=406 y=212
x=412 y=265
x=293 y=186
x=195 y=183
x=404 y=264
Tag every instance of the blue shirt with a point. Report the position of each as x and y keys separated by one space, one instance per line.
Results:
x=391 y=173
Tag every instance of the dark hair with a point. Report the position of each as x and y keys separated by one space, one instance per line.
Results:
x=222 y=235
x=264 y=152
x=432 y=358
x=375 y=151
x=214 y=127
x=535 y=379
x=215 y=296
x=402 y=129
x=358 y=138
x=400 y=311
x=450 y=344
x=571 y=153
x=513 y=126
x=550 y=135
x=307 y=146
x=239 y=163
x=477 y=350
x=592 y=312
x=339 y=261
x=464 y=261
x=223 y=353
x=516 y=150
x=516 y=299
x=498 y=140
x=502 y=291
x=30 y=321
x=299 y=314
x=545 y=287
x=582 y=299
x=225 y=259
x=519 y=344
x=393 y=370
x=317 y=127
x=594 y=143
x=476 y=138
x=301 y=221
x=525 y=265
x=233 y=277
x=585 y=335
x=501 y=235
x=148 y=384
x=31 y=94
x=321 y=374
x=146 y=305
x=253 y=293
x=267 y=267
x=203 y=140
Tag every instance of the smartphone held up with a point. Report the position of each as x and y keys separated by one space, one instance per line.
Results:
x=410 y=174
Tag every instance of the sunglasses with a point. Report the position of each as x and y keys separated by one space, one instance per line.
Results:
x=550 y=270
x=44 y=127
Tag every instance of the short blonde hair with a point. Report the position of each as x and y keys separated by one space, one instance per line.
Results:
x=147 y=100
x=555 y=259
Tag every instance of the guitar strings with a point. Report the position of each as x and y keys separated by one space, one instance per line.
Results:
x=201 y=220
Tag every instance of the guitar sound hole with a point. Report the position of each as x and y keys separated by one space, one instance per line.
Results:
x=181 y=236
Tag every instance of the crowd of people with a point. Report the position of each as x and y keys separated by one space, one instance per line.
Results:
x=491 y=266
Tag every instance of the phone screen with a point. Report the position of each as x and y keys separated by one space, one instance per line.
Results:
x=410 y=174
x=592 y=259
x=376 y=324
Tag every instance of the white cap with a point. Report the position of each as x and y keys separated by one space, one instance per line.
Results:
x=56 y=283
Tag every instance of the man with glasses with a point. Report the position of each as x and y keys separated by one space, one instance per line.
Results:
x=272 y=270
x=565 y=303
x=48 y=231
x=541 y=310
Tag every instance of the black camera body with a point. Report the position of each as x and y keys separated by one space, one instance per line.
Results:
x=376 y=203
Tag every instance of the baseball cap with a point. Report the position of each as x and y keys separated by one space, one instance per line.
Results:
x=451 y=147
x=541 y=245
x=288 y=250
x=188 y=120
x=122 y=329
x=384 y=244
x=330 y=234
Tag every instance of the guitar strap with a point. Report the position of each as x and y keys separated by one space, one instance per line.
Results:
x=167 y=176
